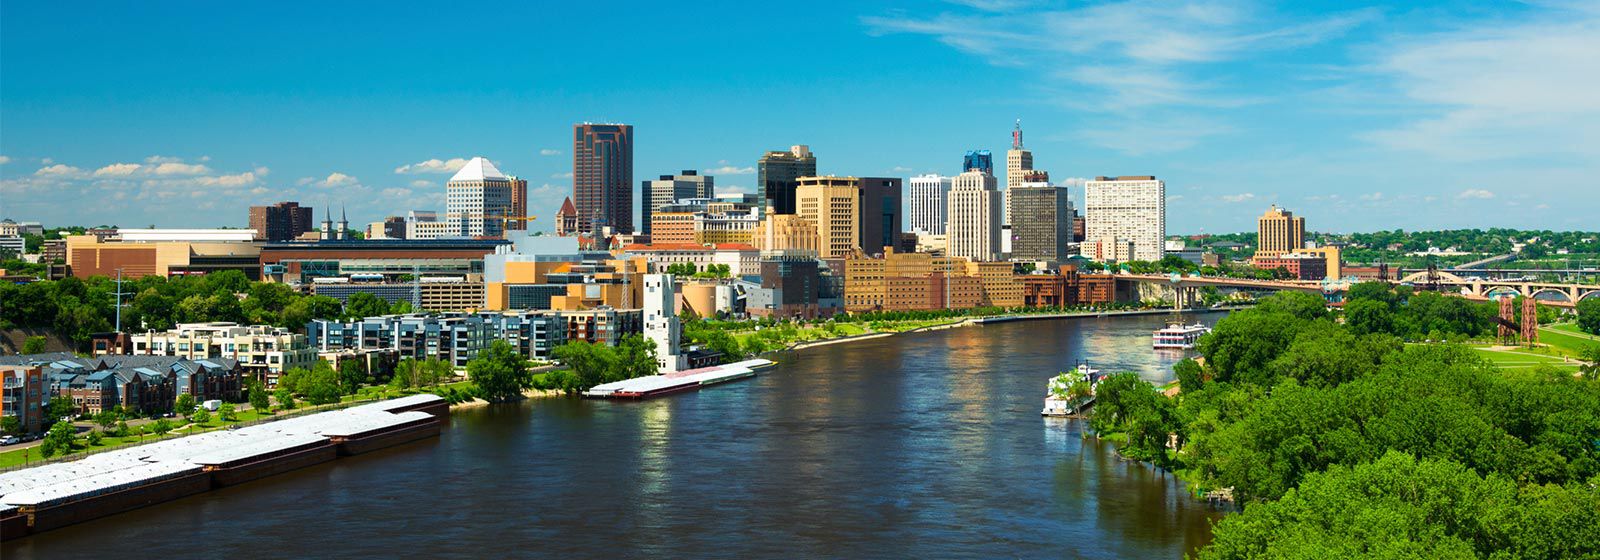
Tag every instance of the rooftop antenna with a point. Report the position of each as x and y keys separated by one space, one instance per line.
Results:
x=1016 y=136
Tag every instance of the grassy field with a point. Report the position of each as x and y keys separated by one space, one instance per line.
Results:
x=1524 y=359
x=1566 y=338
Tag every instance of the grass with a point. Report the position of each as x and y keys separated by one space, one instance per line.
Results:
x=1569 y=342
x=1524 y=359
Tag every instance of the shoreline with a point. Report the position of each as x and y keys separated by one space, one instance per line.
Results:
x=981 y=321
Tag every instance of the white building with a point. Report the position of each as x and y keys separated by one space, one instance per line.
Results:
x=264 y=352
x=477 y=200
x=425 y=224
x=669 y=189
x=661 y=320
x=741 y=259
x=1129 y=208
x=928 y=193
x=974 y=211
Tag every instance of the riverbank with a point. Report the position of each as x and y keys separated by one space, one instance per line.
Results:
x=980 y=321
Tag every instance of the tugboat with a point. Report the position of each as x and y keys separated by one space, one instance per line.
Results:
x=1178 y=335
x=1058 y=397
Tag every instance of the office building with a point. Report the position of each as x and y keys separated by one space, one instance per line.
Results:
x=980 y=160
x=1298 y=266
x=880 y=213
x=974 y=214
x=392 y=227
x=1278 y=232
x=602 y=176
x=478 y=200
x=670 y=189
x=833 y=204
x=741 y=259
x=281 y=222
x=1018 y=159
x=715 y=228
x=1041 y=222
x=928 y=194
x=13 y=228
x=1131 y=209
x=304 y=262
x=777 y=173
x=787 y=234
x=164 y=252
x=518 y=220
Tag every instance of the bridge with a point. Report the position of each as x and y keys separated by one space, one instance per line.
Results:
x=1186 y=288
x=1552 y=293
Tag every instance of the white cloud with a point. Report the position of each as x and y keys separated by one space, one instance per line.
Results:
x=303 y=181
x=1475 y=193
x=164 y=159
x=117 y=170
x=396 y=193
x=731 y=170
x=421 y=184
x=1075 y=182
x=59 y=170
x=735 y=189
x=433 y=166
x=175 y=168
x=901 y=169
x=1372 y=197
x=46 y=161
x=549 y=152
x=1236 y=198
x=567 y=175
x=5 y=160
x=337 y=179
x=262 y=171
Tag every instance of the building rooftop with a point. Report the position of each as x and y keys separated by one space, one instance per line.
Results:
x=479 y=169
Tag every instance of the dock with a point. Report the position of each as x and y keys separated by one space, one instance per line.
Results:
x=652 y=386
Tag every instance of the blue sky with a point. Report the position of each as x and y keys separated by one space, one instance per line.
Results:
x=1359 y=117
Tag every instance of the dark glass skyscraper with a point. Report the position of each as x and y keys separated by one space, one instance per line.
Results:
x=978 y=159
x=602 y=176
x=776 y=174
x=880 y=213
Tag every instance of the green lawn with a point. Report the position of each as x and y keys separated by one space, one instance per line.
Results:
x=1521 y=359
x=1569 y=342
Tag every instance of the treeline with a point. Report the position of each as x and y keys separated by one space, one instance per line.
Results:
x=1342 y=440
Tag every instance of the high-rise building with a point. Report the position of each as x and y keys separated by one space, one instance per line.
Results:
x=519 y=204
x=978 y=159
x=777 y=173
x=602 y=176
x=1131 y=209
x=282 y=221
x=880 y=213
x=834 y=205
x=478 y=200
x=661 y=320
x=1278 y=232
x=1041 y=221
x=1018 y=159
x=974 y=208
x=788 y=234
x=928 y=203
x=669 y=189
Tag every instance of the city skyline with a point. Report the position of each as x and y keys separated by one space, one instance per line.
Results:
x=180 y=129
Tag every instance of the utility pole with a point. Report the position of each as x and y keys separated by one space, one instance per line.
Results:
x=119 y=294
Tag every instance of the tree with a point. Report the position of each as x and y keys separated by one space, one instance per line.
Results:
x=1365 y=316
x=58 y=439
x=200 y=416
x=106 y=418
x=94 y=437
x=228 y=413
x=499 y=372
x=401 y=307
x=61 y=408
x=1589 y=315
x=352 y=374
x=361 y=305
x=34 y=345
x=185 y=404
x=11 y=425
x=258 y=397
x=161 y=427
x=285 y=398
x=321 y=385
x=636 y=357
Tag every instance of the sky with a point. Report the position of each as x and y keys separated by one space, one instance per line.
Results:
x=1358 y=117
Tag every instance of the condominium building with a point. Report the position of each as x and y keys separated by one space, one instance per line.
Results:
x=1128 y=208
x=928 y=194
x=263 y=352
x=670 y=189
x=26 y=396
x=282 y=221
x=787 y=233
x=1279 y=231
x=880 y=223
x=661 y=320
x=777 y=173
x=1041 y=221
x=478 y=200
x=974 y=216
x=1018 y=159
x=602 y=176
x=834 y=205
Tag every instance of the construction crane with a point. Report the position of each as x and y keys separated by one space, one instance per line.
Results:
x=504 y=219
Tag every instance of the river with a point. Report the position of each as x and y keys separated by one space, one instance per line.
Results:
x=925 y=445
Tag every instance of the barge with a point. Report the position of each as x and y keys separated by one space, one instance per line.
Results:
x=60 y=494
x=651 y=386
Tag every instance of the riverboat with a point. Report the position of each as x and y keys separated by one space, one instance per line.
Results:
x=1058 y=401
x=1178 y=335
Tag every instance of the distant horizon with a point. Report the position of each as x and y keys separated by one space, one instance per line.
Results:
x=1453 y=115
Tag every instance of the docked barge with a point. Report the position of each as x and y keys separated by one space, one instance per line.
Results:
x=651 y=386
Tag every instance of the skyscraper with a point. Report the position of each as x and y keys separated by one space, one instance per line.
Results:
x=978 y=159
x=1041 y=221
x=1129 y=209
x=1018 y=160
x=880 y=213
x=776 y=173
x=519 y=203
x=1279 y=231
x=928 y=203
x=974 y=209
x=833 y=204
x=669 y=189
x=602 y=176
x=477 y=200
x=281 y=222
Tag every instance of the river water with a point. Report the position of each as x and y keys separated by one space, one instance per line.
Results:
x=925 y=445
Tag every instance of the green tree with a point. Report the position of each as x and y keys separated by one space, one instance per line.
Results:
x=58 y=440
x=228 y=413
x=34 y=345
x=352 y=374
x=106 y=418
x=284 y=397
x=258 y=397
x=161 y=427
x=402 y=307
x=1365 y=316
x=499 y=372
x=636 y=357
x=61 y=408
x=361 y=305
x=1589 y=315
x=591 y=364
x=94 y=437
x=321 y=385
x=200 y=416
x=11 y=425
x=184 y=405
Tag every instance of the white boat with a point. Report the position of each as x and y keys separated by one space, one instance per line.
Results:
x=1057 y=398
x=1178 y=335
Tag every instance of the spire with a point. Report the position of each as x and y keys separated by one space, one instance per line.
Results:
x=343 y=218
x=1016 y=136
